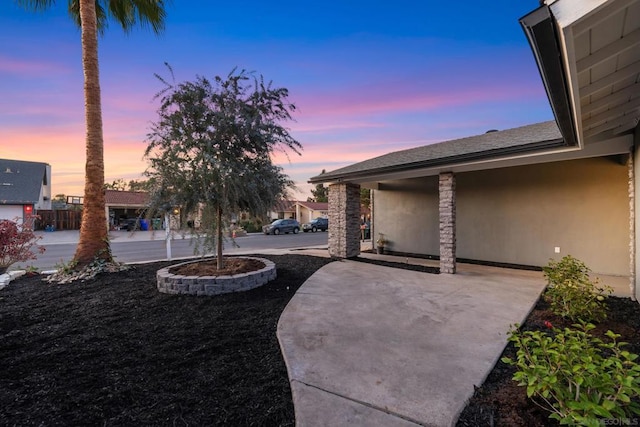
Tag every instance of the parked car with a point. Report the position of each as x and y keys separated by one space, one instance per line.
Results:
x=321 y=224
x=282 y=226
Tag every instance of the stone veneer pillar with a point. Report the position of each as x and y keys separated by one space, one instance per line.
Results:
x=632 y=224
x=344 y=220
x=447 y=191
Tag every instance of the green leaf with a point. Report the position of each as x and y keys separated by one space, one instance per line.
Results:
x=608 y=405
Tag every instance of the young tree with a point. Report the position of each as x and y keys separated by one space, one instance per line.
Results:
x=92 y=16
x=210 y=150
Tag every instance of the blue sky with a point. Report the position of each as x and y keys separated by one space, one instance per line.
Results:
x=367 y=77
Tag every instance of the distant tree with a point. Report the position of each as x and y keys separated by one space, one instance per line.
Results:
x=320 y=193
x=210 y=149
x=365 y=197
x=59 y=202
x=117 y=184
x=135 y=185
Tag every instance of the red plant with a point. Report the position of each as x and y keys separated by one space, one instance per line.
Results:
x=548 y=324
x=17 y=242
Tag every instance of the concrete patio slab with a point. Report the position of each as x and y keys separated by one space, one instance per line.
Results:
x=372 y=345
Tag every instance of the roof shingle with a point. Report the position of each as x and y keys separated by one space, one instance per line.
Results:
x=126 y=198
x=488 y=145
x=21 y=181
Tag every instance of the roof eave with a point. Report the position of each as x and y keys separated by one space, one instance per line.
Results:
x=541 y=31
x=445 y=161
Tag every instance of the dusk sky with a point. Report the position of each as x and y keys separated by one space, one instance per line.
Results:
x=367 y=78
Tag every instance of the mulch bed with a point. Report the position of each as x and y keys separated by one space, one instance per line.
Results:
x=499 y=401
x=113 y=351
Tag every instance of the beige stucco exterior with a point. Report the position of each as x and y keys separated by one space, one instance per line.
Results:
x=518 y=215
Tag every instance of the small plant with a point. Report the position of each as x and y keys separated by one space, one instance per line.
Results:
x=68 y=273
x=381 y=240
x=577 y=377
x=571 y=292
x=66 y=267
x=31 y=270
x=17 y=242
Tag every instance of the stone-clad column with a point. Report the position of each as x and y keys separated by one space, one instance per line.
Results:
x=344 y=220
x=447 y=189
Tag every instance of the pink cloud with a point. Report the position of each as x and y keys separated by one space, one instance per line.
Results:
x=29 y=67
x=358 y=101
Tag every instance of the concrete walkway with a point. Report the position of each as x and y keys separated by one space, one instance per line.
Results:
x=375 y=346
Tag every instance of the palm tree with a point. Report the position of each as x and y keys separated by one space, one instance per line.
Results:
x=92 y=17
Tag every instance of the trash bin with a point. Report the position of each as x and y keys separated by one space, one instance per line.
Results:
x=144 y=225
x=157 y=224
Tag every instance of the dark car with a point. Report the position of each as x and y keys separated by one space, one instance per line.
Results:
x=321 y=224
x=282 y=226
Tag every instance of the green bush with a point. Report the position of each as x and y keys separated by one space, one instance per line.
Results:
x=251 y=226
x=571 y=292
x=577 y=377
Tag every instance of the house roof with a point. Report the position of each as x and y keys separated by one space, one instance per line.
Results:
x=489 y=145
x=284 y=206
x=126 y=198
x=588 y=54
x=21 y=181
x=315 y=206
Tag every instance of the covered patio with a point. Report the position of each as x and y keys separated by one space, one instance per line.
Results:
x=588 y=54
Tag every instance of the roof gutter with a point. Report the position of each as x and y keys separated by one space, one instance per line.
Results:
x=444 y=161
x=541 y=31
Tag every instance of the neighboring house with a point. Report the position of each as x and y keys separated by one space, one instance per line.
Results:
x=25 y=187
x=301 y=211
x=284 y=209
x=122 y=206
x=522 y=196
x=306 y=211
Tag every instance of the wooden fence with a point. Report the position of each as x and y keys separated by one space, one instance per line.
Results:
x=59 y=219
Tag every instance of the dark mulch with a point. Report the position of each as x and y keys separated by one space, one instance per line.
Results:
x=209 y=267
x=500 y=402
x=114 y=351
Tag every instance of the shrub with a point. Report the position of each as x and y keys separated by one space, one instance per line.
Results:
x=16 y=242
x=251 y=226
x=572 y=294
x=577 y=377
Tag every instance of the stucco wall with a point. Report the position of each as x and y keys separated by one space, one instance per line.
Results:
x=406 y=212
x=520 y=214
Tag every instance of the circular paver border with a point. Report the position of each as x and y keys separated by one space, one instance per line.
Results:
x=176 y=284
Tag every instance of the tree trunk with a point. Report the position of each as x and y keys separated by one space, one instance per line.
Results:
x=94 y=236
x=220 y=264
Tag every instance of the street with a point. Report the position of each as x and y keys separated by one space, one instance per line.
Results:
x=137 y=250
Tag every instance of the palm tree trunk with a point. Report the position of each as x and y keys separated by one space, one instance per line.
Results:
x=220 y=264
x=93 y=230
